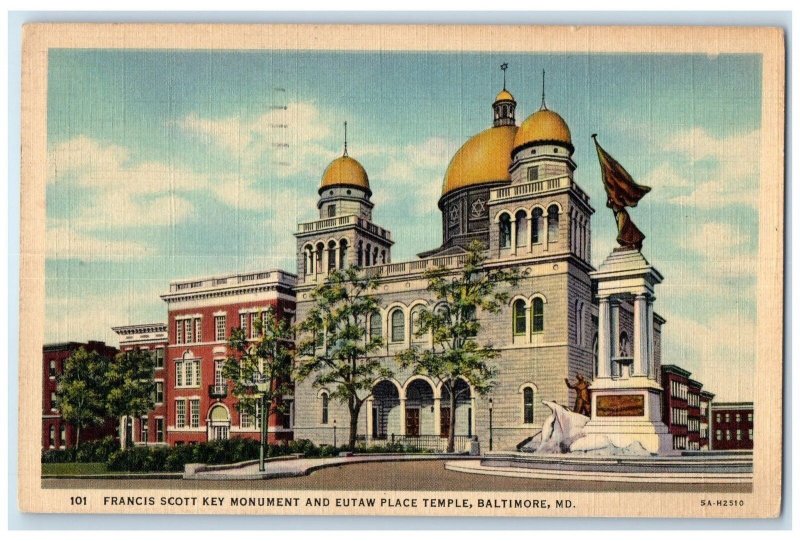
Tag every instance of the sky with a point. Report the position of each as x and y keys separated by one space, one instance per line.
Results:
x=165 y=165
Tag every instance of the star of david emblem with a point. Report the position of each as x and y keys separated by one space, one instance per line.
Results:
x=478 y=208
x=454 y=214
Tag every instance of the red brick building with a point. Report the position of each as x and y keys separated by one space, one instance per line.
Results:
x=201 y=313
x=56 y=433
x=151 y=428
x=732 y=426
x=685 y=408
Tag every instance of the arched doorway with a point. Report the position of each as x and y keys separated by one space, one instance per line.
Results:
x=464 y=413
x=219 y=423
x=419 y=414
x=386 y=418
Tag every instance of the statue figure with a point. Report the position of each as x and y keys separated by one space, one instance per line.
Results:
x=622 y=191
x=583 y=402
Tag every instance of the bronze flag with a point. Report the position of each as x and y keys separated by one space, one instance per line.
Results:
x=622 y=191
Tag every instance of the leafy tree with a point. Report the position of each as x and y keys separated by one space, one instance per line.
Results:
x=81 y=391
x=266 y=361
x=130 y=385
x=335 y=346
x=455 y=353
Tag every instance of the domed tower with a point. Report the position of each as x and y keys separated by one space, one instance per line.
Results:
x=344 y=234
x=541 y=212
x=480 y=164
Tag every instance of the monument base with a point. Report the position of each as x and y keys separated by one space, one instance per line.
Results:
x=626 y=411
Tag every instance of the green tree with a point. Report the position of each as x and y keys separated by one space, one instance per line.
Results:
x=81 y=391
x=455 y=352
x=265 y=362
x=130 y=386
x=335 y=346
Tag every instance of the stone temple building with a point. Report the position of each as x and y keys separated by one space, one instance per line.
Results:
x=510 y=186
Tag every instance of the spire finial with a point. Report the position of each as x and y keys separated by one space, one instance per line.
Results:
x=544 y=106
x=504 y=67
x=345 y=139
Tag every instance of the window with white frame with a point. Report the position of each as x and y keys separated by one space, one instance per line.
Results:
x=187 y=373
x=219 y=326
x=62 y=441
x=179 y=332
x=198 y=330
x=143 y=428
x=187 y=330
x=178 y=373
x=158 y=357
x=180 y=413
x=194 y=412
x=52 y=436
x=52 y=372
x=158 y=398
x=243 y=323
x=159 y=430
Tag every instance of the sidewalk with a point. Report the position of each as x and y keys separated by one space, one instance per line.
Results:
x=297 y=467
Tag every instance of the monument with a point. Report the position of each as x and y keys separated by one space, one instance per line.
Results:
x=625 y=394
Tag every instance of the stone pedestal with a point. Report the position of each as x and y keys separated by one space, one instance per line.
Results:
x=626 y=396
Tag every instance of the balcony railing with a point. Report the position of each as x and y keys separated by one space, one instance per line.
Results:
x=217 y=391
x=276 y=276
x=421 y=265
x=343 y=221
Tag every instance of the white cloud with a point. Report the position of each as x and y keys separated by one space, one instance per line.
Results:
x=724 y=345
x=734 y=176
x=67 y=243
x=290 y=141
x=724 y=249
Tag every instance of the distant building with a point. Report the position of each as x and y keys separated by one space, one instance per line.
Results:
x=732 y=426
x=706 y=399
x=56 y=433
x=685 y=409
x=198 y=405
x=150 y=429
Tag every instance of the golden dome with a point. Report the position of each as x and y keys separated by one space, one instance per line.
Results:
x=345 y=171
x=484 y=158
x=504 y=95
x=543 y=126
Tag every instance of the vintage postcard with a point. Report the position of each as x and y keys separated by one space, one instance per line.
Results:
x=402 y=270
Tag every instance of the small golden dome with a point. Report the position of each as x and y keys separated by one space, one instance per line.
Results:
x=543 y=126
x=345 y=171
x=484 y=158
x=504 y=95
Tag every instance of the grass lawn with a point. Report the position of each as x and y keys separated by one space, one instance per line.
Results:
x=74 y=468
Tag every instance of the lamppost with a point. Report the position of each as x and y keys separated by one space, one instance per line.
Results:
x=491 y=434
x=263 y=387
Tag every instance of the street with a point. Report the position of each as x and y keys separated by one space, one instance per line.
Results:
x=420 y=475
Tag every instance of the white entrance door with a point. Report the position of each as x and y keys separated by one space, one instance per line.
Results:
x=219 y=432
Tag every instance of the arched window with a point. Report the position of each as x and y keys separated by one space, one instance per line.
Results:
x=318 y=263
x=375 y=326
x=324 y=397
x=360 y=255
x=505 y=231
x=537 y=225
x=552 y=223
x=367 y=255
x=331 y=256
x=527 y=405
x=415 y=324
x=522 y=228
x=537 y=315
x=342 y=253
x=519 y=317
x=398 y=323
x=308 y=259
x=383 y=256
